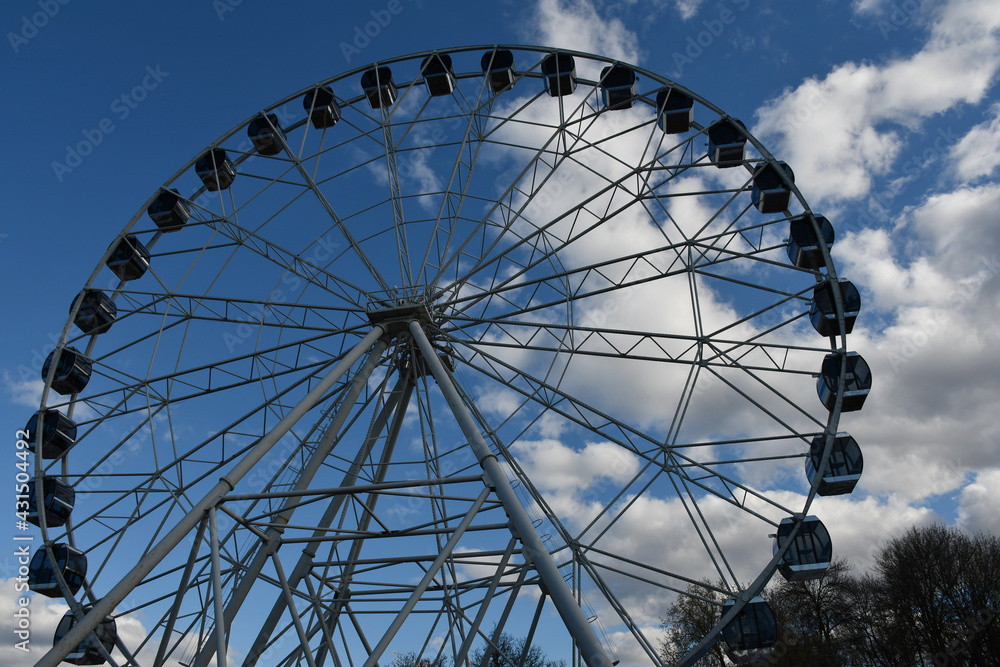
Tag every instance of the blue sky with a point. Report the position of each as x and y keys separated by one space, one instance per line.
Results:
x=888 y=112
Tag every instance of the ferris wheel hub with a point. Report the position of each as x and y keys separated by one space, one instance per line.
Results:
x=396 y=314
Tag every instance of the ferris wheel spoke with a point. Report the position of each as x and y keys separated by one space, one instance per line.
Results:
x=454 y=199
x=602 y=342
x=576 y=411
x=304 y=479
x=197 y=382
x=293 y=263
x=535 y=162
x=552 y=397
x=339 y=224
x=578 y=278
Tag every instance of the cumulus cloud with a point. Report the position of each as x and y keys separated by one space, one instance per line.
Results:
x=977 y=155
x=978 y=503
x=932 y=286
x=578 y=25
x=841 y=130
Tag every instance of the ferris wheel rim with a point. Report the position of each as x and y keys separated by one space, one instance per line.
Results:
x=765 y=157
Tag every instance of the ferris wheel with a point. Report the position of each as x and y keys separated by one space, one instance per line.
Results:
x=490 y=342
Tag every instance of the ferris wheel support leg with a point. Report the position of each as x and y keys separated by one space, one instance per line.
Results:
x=213 y=529
x=532 y=547
x=273 y=535
x=426 y=580
x=168 y=630
x=290 y=601
x=397 y=402
x=333 y=616
x=106 y=605
x=501 y=623
x=460 y=657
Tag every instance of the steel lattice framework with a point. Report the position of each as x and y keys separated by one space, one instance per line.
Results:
x=438 y=367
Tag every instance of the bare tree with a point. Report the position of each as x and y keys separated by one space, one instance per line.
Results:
x=814 y=618
x=507 y=653
x=689 y=619
x=412 y=659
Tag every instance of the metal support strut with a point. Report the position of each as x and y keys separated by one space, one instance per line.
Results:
x=533 y=549
x=106 y=605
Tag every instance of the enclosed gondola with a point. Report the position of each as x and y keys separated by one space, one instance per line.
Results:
x=322 y=107
x=498 y=67
x=810 y=552
x=72 y=373
x=97 y=312
x=265 y=134
x=857 y=381
x=750 y=636
x=58 y=433
x=559 y=70
x=439 y=76
x=215 y=169
x=804 y=244
x=42 y=573
x=169 y=211
x=89 y=651
x=772 y=187
x=130 y=259
x=675 y=109
x=379 y=87
x=823 y=307
x=843 y=468
x=726 y=143
x=58 y=499
x=618 y=85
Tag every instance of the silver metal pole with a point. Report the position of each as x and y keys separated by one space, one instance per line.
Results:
x=463 y=651
x=106 y=605
x=220 y=611
x=175 y=609
x=533 y=549
x=425 y=581
x=346 y=576
x=309 y=551
x=290 y=601
x=273 y=536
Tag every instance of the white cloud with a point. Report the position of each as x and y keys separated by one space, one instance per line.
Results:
x=577 y=25
x=928 y=330
x=839 y=131
x=977 y=155
x=979 y=501
x=24 y=392
x=688 y=8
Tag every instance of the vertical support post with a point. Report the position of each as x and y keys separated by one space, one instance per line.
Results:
x=533 y=549
x=175 y=609
x=463 y=651
x=531 y=630
x=309 y=551
x=213 y=538
x=502 y=621
x=106 y=605
x=425 y=581
x=273 y=535
x=290 y=601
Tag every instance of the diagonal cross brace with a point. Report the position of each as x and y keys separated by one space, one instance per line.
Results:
x=532 y=547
